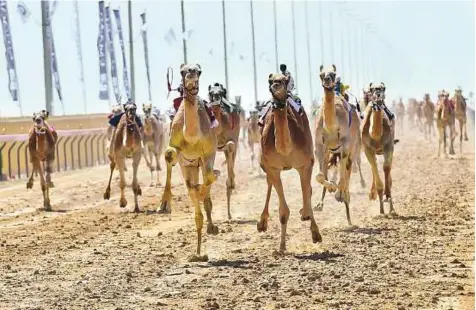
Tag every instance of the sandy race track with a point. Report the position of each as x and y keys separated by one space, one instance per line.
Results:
x=90 y=254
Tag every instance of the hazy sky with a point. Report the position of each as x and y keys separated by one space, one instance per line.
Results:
x=436 y=42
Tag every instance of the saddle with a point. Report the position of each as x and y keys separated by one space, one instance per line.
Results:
x=230 y=107
x=295 y=104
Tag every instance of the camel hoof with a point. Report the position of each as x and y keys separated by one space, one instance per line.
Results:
x=138 y=191
x=29 y=185
x=51 y=185
x=262 y=225
x=342 y=196
x=373 y=195
x=212 y=229
x=304 y=217
x=198 y=259
x=165 y=208
x=107 y=195
x=316 y=236
x=466 y=139
x=123 y=202
x=152 y=168
x=319 y=207
x=151 y=184
x=136 y=209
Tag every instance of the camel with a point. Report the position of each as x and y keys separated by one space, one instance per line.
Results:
x=378 y=138
x=400 y=112
x=460 y=115
x=42 y=147
x=153 y=140
x=429 y=115
x=337 y=137
x=286 y=143
x=411 y=111
x=193 y=144
x=445 y=118
x=126 y=143
x=228 y=131
x=117 y=109
x=254 y=134
x=243 y=121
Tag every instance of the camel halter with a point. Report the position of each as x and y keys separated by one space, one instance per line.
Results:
x=170 y=79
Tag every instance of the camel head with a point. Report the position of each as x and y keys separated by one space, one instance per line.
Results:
x=39 y=121
x=328 y=77
x=117 y=109
x=130 y=110
x=147 y=109
x=216 y=93
x=278 y=84
x=190 y=76
x=426 y=97
x=377 y=95
x=458 y=92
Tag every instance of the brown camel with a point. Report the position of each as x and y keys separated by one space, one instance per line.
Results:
x=243 y=121
x=126 y=143
x=378 y=138
x=153 y=140
x=42 y=147
x=337 y=137
x=460 y=115
x=286 y=143
x=400 y=113
x=445 y=118
x=429 y=115
x=419 y=115
x=116 y=109
x=228 y=132
x=193 y=143
x=254 y=134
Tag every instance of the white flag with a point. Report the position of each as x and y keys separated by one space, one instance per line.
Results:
x=187 y=34
x=170 y=36
x=23 y=10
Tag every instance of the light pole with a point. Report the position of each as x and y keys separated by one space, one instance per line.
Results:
x=311 y=93
x=131 y=53
x=184 y=41
x=294 y=47
x=254 y=51
x=45 y=21
x=225 y=45
x=275 y=35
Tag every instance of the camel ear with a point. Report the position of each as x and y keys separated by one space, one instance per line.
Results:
x=46 y=113
x=321 y=68
x=199 y=68
x=270 y=81
x=334 y=67
x=181 y=66
x=370 y=85
x=209 y=87
x=143 y=106
x=34 y=116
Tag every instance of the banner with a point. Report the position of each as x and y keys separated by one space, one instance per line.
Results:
x=10 y=57
x=101 y=45
x=125 y=74
x=112 y=54
x=146 y=51
x=54 y=61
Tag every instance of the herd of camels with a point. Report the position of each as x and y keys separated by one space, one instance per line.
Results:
x=283 y=133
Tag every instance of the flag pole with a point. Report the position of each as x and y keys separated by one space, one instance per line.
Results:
x=80 y=52
x=131 y=52
x=254 y=50
x=311 y=92
x=294 y=47
x=225 y=45
x=45 y=21
x=276 y=35
x=183 y=32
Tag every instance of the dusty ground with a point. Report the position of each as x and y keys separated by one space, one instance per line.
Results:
x=89 y=254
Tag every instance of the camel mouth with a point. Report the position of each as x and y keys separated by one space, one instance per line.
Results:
x=335 y=150
x=191 y=87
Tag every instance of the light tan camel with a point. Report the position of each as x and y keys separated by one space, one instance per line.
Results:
x=126 y=143
x=254 y=135
x=153 y=141
x=445 y=118
x=286 y=143
x=400 y=113
x=193 y=143
x=228 y=132
x=42 y=147
x=419 y=115
x=337 y=137
x=429 y=115
x=460 y=115
x=378 y=138
x=116 y=110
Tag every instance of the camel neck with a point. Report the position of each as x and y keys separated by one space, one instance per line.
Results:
x=282 y=135
x=376 y=125
x=191 y=119
x=329 y=110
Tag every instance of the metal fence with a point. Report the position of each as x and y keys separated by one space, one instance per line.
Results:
x=75 y=149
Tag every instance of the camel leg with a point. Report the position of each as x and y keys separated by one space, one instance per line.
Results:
x=251 y=146
x=29 y=184
x=44 y=185
x=230 y=182
x=342 y=189
x=387 y=168
x=452 y=139
x=190 y=174
x=275 y=177
x=262 y=225
x=377 y=185
x=157 y=168
x=305 y=174
x=461 y=136
x=135 y=184
x=347 y=184
x=171 y=156
x=120 y=162
x=465 y=131
x=321 y=178
x=107 y=193
x=208 y=206
x=148 y=162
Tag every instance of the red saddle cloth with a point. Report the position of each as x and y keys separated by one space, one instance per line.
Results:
x=178 y=102
x=110 y=115
x=450 y=104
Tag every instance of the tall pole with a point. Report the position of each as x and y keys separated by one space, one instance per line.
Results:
x=254 y=50
x=80 y=56
x=131 y=53
x=276 y=35
x=294 y=48
x=342 y=43
x=349 y=51
x=225 y=45
x=321 y=32
x=184 y=40
x=45 y=21
x=308 y=52
x=331 y=20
